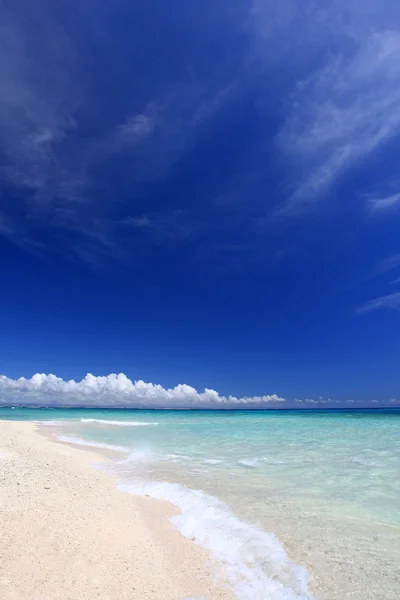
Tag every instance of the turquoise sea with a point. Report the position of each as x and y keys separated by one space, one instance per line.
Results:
x=294 y=504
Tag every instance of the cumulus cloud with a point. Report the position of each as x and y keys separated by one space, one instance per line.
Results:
x=308 y=401
x=115 y=391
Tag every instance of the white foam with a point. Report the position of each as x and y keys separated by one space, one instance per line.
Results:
x=79 y=442
x=212 y=461
x=138 y=455
x=176 y=458
x=147 y=455
x=119 y=423
x=255 y=562
x=250 y=463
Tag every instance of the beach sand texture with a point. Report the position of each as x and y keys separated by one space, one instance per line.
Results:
x=67 y=533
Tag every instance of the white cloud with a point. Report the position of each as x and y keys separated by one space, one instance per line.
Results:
x=342 y=113
x=385 y=203
x=384 y=266
x=136 y=127
x=337 y=115
x=325 y=403
x=389 y=301
x=56 y=133
x=309 y=401
x=114 y=391
x=38 y=98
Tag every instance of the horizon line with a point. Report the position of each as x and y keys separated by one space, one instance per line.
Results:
x=200 y=409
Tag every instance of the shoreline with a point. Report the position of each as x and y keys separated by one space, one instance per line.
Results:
x=67 y=532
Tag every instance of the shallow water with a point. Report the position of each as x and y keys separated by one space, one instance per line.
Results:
x=327 y=484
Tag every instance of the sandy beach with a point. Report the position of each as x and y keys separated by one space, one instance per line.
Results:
x=67 y=533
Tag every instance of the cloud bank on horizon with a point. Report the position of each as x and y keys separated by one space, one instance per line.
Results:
x=115 y=391
x=118 y=391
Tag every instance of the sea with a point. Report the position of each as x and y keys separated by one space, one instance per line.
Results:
x=294 y=505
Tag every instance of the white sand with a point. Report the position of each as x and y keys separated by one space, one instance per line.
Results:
x=67 y=533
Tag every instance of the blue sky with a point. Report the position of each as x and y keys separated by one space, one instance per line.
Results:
x=203 y=194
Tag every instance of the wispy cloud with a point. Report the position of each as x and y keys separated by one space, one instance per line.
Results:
x=136 y=127
x=59 y=141
x=389 y=301
x=75 y=138
x=380 y=270
x=385 y=203
x=342 y=113
x=114 y=391
x=386 y=265
x=40 y=93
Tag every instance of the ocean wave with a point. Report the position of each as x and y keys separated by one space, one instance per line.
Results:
x=119 y=423
x=79 y=442
x=255 y=562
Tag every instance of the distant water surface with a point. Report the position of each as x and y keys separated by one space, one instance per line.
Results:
x=325 y=483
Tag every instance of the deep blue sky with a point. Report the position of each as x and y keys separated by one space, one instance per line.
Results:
x=204 y=193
